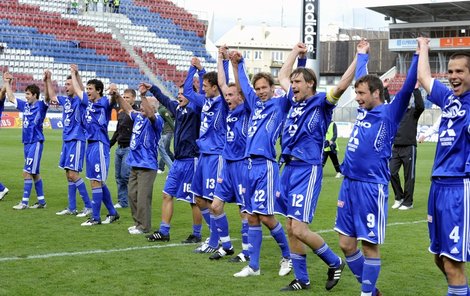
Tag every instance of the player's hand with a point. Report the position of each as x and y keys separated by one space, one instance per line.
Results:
x=363 y=46
x=300 y=48
x=196 y=63
x=235 y=57
x=112 y=89
x=7 y=77
x=74 y=69
x=421 y=139
x=144 y=87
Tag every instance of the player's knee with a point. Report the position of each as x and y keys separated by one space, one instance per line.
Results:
x=217 y=206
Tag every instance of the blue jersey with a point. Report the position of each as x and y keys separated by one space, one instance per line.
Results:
x=187 y=122
x=266 y=119
x=33 y=118
x=237 y=130
x=369 y=148
x=212 y=131
x=452 y=157
x=144 y=141
x=72 y=118
x=305 y=127
x=97 y=118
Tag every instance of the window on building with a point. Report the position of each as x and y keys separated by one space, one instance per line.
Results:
x=247 y=54
x=256 y=70
x=277 y=56
x=258 y=55
x=275 y=72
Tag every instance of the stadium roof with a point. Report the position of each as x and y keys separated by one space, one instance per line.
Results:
x=424 y=11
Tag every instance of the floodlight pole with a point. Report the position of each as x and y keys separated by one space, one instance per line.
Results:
x=311 y=33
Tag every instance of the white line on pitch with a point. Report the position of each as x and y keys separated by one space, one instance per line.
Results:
x=157 y=246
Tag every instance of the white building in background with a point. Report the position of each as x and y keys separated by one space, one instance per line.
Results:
x=264 y=48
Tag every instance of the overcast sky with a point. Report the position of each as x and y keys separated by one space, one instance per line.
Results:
x=281 y=12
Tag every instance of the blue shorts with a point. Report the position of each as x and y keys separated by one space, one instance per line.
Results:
x=261 y=184
x=97 y=161
x=362 y=210
x=32 y=157
x=229 y=186
x=207 y=173
x=72 y=155
x=180 y=176
x=448 y=218
x=300 y=188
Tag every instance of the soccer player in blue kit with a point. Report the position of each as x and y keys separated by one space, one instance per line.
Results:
x=3 y=190
x=261 y=182
x=98 y=114
x=229 y=187
x=142 y=158
x=302 y=150
x=178 y=183
x=34 y=112
x=362 y=201
x=73 y=146
x=211 y=143
x=449 y=196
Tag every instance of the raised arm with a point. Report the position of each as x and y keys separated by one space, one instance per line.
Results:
x=419 y=102
x=243 y=81
x=348 y=76
x=123 y=103
x=424 y=69
x=188 y=90
x=286 y=69
x=7 y=81
x=49 y=92
x=221 y=77
x=2 y=93
x=112 y=88
x=77 y=84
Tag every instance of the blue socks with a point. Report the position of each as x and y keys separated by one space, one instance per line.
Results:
x=457 y=290
x=206 y=215
x=221 y=226
x=28 y=186
x=197 y=230
x=80 y=185
x=328 y=256
x=370 y=274
x=244 y=232
x=299 y=262
x=214 y=235
x=255 y=238
x=71 y=195
x=279 y=235
x=164 y=228
x=356 y=263
x=97 y=195
x=108 y=202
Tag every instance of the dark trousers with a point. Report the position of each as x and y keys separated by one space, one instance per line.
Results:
x=334 y=159
x=406 y=156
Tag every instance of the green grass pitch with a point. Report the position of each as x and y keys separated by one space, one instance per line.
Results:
x=45 y=254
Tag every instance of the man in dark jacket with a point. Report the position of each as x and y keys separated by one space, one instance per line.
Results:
x=404 y=152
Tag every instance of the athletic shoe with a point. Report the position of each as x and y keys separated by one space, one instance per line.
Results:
x=3 y=193
x=117 y=206
x=159 y=171
x=38 y=206
x=205 y=248
x=91 y=222
x=131 y=227
x=377 y=292
x=157 y=236
x=21 y=206
x=111 y=219
x=135 y=231
x=339 y=175
x=397 y=204
x=66 y=212
x=221 y=252
x=286 y=266
x=247 y=271
x=334 y=275
x=85 y=212
x=295 y=285
x=404 y=208
x=239 y=258
x=192 y=239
